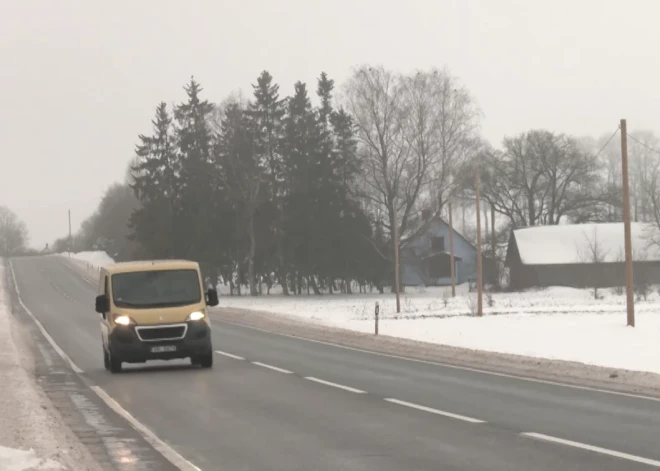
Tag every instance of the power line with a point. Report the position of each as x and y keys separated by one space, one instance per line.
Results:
x=644 y=145
x=608 y=141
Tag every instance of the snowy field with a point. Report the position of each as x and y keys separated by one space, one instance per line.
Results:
x=554 y=323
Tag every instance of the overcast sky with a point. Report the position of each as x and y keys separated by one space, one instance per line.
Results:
x=80 y=79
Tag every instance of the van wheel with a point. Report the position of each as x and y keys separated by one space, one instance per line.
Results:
x=115 y=364
x=106 y=359
x=205 y=361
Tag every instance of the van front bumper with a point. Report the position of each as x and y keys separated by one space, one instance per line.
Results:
x=125 y=343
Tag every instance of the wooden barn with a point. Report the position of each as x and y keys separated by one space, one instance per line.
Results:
x=581 y=255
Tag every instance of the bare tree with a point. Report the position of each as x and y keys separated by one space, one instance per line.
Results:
x=442 y=127
x=540 y=178
x=415 y=132
x=13 y=233
x=393 y=173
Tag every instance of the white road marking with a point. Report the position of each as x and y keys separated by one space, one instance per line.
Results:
x=163 y=448
x=274 y=368
x=445 y=365
x=435 y=411
x=235 y=357
x=335 y=385
x=596 y=449
x=52 y=343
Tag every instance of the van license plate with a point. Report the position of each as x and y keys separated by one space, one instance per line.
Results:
x=163 y=348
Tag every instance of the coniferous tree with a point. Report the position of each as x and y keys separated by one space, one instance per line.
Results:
x=156 y=184
x=194 y=139
x=266 y=114
x=302 y=218
x=245 y=179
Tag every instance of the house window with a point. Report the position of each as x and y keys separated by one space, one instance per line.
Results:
x=438 y=244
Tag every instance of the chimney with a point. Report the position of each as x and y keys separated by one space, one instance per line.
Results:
x=426 y=214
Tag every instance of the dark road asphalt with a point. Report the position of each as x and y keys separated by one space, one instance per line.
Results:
x=273 y=402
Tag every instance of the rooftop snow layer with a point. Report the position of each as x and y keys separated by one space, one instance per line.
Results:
x=575 y=243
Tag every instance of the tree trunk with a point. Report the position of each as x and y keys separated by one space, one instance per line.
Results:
x=348 y=287
x=281 y=272
x=253 y=249
x=311 y=281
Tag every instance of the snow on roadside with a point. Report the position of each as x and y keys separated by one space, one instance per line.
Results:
x=12 y=459
x=556 y=323
x=94 y=258
x=31 y=435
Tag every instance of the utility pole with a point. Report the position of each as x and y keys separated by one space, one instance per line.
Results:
x=479 y=261
x=451 y=251
x=630 y=300
x=70 y=238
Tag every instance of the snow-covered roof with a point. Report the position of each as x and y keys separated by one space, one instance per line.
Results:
x=575 y=243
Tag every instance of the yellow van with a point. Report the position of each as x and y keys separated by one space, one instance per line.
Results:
x=154 y=310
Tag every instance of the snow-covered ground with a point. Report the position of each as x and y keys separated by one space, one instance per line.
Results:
x=93 y=258
x=555 y=323
x=32 y=437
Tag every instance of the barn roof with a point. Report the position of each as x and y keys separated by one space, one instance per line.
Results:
x=574 y=243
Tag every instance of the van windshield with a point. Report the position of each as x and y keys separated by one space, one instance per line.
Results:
x=156 y=288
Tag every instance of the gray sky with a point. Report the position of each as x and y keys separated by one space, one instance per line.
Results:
x=80 y=79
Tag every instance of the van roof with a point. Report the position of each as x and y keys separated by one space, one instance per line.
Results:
x=146 y=265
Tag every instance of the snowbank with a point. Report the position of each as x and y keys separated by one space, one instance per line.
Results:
x=31 y=433
x=12 y=459
x=557 y=323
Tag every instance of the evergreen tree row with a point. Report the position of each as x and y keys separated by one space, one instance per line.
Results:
x=263 y=195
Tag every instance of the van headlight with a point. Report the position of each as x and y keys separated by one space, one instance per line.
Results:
x=124 y=320
x=196 y=316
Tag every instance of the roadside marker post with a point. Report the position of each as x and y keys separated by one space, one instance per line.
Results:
x=376 y=311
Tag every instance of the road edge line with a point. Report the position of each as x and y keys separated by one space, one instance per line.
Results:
x=446 y=365
x=40 y=326
x=163 y=448
x=592 y=448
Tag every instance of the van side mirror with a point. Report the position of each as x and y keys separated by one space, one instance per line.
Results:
x=212 y=297
x=102 y=304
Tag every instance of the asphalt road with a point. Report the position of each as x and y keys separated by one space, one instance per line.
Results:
x=273 y=402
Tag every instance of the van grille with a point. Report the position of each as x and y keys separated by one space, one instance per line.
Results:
x=152 y=334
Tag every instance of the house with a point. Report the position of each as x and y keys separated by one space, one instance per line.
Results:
x=425 y=257
x=580 y=255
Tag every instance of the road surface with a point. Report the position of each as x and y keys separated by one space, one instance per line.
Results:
x=273 y=402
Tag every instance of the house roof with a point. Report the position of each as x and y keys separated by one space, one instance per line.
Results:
x=575 y=243
x=425 y=225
